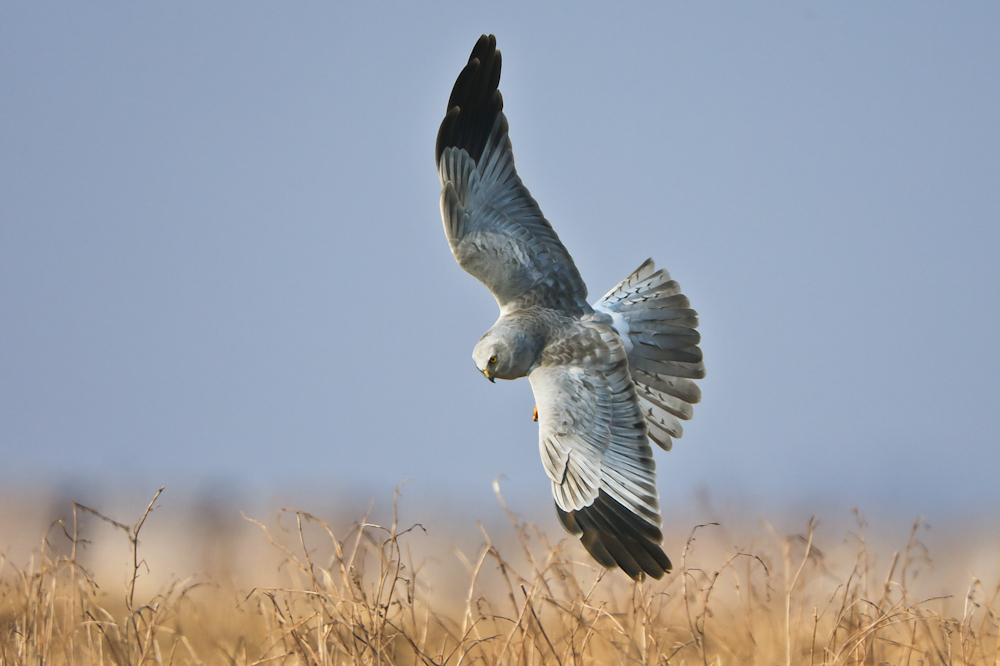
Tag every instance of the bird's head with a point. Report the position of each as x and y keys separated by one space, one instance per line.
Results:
x=503 y=353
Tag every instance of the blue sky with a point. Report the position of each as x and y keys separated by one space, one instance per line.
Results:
x=221 y=256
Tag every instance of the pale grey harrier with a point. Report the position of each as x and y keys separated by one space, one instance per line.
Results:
x=607 y=378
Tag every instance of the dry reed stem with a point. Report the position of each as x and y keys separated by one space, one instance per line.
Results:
x=358 y=597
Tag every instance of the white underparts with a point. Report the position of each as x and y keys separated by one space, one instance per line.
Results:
x=620 y=325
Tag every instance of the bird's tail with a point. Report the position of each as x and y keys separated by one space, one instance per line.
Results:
x=657 y=324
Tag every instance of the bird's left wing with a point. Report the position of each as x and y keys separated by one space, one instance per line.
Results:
x=495 y=229
x=592 y=439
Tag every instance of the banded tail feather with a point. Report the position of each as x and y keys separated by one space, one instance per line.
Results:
x=659 y=327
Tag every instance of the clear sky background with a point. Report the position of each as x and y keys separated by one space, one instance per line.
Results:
x=222 y=262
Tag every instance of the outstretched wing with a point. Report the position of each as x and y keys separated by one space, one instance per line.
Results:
x=592 y=438
x=495 y=229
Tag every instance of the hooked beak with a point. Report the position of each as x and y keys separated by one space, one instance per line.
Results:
x=489 y=376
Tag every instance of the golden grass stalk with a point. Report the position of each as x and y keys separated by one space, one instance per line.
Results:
x=360 y=598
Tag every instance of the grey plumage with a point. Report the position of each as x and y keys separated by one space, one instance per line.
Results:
x=607 y=378
x=664 y=357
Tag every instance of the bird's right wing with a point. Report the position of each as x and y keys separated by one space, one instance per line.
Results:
x=495 y=229
x=592 y=439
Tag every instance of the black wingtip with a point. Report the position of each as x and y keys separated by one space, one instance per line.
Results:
x=614 y=536
x=475 y=102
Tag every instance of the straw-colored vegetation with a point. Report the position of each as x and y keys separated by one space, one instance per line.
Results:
x=359 y=597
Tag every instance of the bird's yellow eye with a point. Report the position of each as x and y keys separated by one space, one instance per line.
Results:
x=493 y=359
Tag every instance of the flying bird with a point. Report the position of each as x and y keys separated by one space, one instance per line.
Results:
x=608 y=377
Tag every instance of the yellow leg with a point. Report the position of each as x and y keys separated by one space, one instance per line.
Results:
x=535 y=416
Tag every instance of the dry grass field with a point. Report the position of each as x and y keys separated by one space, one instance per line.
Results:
x=318 y=593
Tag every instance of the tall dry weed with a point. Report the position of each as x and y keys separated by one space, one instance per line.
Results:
x=360 y=597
